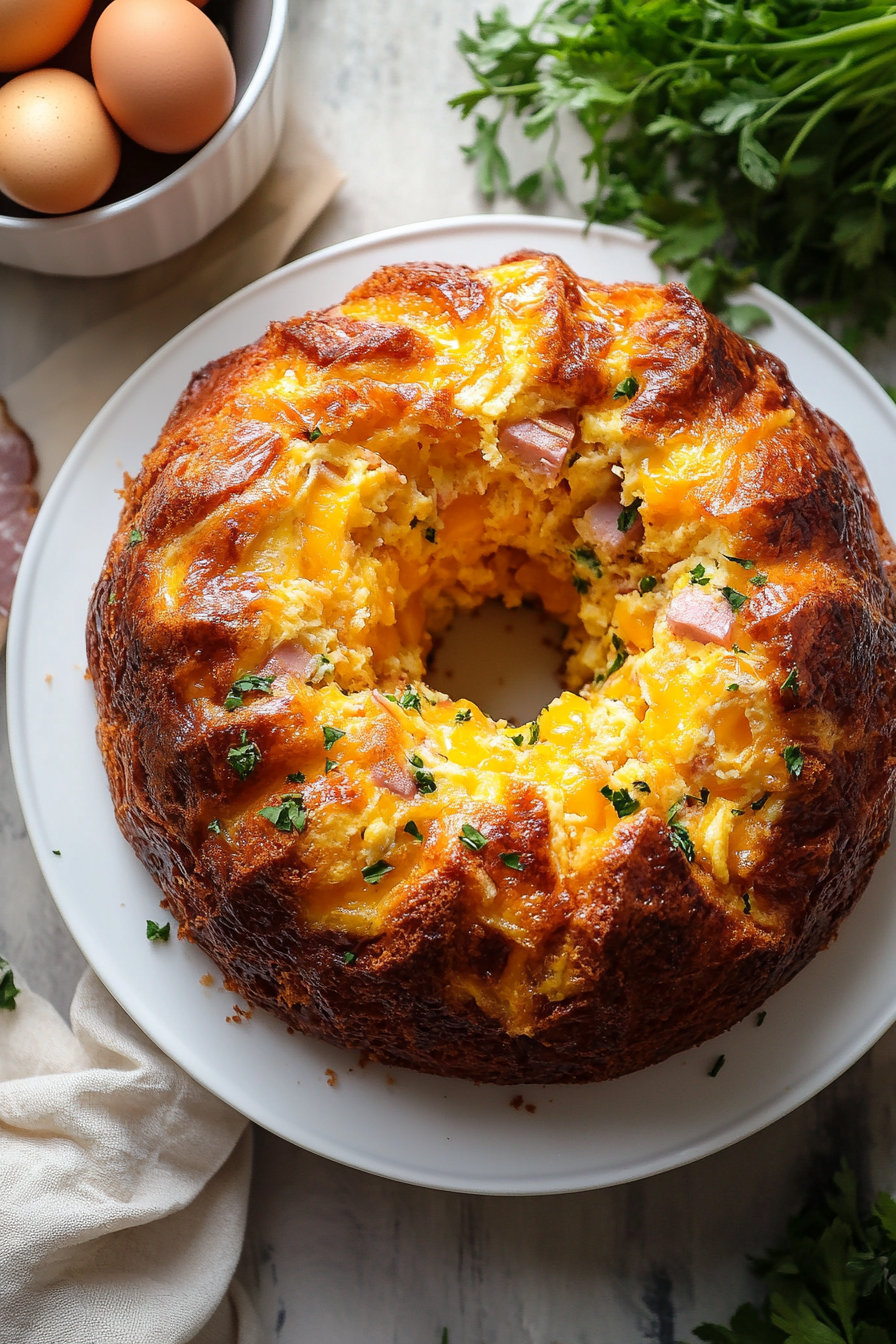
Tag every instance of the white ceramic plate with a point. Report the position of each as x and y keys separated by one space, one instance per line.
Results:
x=425 y=1130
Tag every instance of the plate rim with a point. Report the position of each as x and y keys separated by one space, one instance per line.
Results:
x=753 y=1120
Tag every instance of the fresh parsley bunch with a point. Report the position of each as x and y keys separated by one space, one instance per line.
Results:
x=751 y=142
x=831 y=1281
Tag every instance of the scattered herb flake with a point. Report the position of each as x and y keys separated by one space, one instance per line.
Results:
x=57 y=852
x=681 y=840
x=737 y=649
x=717 y=1067
x=629 y=515
x=134 y=536
x=112 y=598
x=735 y=599
x=622 y=801
x=745 y=897
x=793 y=759
x=430 y=534
x=646 y=583
x=8 y=987
x=375 y=872
x=410 y=700
x=244 y=758
x=626 y=389
x=581 y=585
x=760 y=1017
x=759 y=580
x=296 y=777
x=463 y=716
x=415 y=522
x=517 y=738
x=157 y=933
x=414 y=831
x=332 y=735
x=760 y=802
x=329 y=765
x=733 y=686
x=215 y=826
x=289 y=815
x=472 y=838
x=349 y=958
x=312 y=435
x=737 y=560
x=425 y=781
x=791 y=683
x=416 y=761
x=621 y=655
x=583 y=555
x=513 y=860
x=737 y=811
x=243 y=685
x=699 y=575
x=641 y=785
x=534 y=733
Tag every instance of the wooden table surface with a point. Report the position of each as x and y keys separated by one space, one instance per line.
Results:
x=337 y=1256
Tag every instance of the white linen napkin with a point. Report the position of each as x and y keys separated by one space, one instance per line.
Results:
x=123 y=1186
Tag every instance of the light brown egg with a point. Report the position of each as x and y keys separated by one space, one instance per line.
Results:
x=31 y=31
x=163 y=71
x=59 y=151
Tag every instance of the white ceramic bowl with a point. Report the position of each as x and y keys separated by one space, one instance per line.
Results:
x=176 y=212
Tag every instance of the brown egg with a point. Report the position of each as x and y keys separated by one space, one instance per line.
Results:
x=31 y=31
x=163 y=71
x=59 y=152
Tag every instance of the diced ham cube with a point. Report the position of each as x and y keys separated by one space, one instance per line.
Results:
x=389 y=775
x=705 y=617
x=291 y=657
x=540 y=444
x=600 y=526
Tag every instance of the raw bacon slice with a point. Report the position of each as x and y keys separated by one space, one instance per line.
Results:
x=600 y=524
x=705 y=617
x=18 y=505
x=540 y=444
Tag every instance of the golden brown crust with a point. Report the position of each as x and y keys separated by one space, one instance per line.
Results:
x=657 y=953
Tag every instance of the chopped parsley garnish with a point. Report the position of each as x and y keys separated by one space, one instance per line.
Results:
x=215 y=826
x=329 y=765
x=472 y=838
x=463 y=716
x=581 y=585
x=622 y=801
x=296 y=777
x=761 y=1018
x=290 y=815
x=134 y=536
x=415 y=760
x=760 y=802
x=629 y=515
x=518 y=738
x=737 y=649
x=736 y=560
x=759 y=580
x=682 y=840
x=733 y=686
x=735 y=599
x=583 y=555
x=112 y=598
x=793 y=759
x=425 y=781
x=513 y=861
x=58 y=852
x=415 y=522
x=430 y=534
x=621 y=655
x=791 y=683
x=534 y=733
x=8 y=987
x=674 y=810
x=414 y=831
x=626 y=389
x=374 y=872
x=157 y=933
x=745 y=897
x=699 y=575
x=737 y=811
x=332 y=735
x=312 y=435
x=646 y=584
x=641 y=785
x=245 y=757
x=410 y=700
x=243 y=685
x=717 y=1067
x=349 y=958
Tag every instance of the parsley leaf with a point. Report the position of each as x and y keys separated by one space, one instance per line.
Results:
x=410 y=700
x=581 y=585
x=375 y=872
x=312 y=435
x=626 y=389
x=414 y=831
x=791 y=683
x=296 y=777
x=681 y=840
x=717 y=1067
x=733 y=686
x=517 y=738
x=289 y=815
x=745 y=897
x=737 y=560
x=243 y=685
x=8 y=987
x=583 y=555
x=463 y=716
x=472 y=838
x=214 y=826
x=157 y=933
x=699 y=575
x=621 y=655
x=622 y=801
x=760 y=580
x=735 y=599
x=349 y=958
x=641 y=785
x=760 y=802
x=244 y=758
x=629 y=515
x=430 y=534
x=134 y=536
x=330 y=765
x=534 y=733
x=793 y=759
x=425 y=780
x=646 y=584
x=332 y=735
x=513 y=861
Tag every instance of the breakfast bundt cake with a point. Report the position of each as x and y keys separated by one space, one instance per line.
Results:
x=670 y=840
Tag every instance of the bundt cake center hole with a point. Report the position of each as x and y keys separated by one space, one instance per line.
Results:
x=508 y=661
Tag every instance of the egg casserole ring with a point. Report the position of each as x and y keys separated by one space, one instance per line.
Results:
x=385 y=868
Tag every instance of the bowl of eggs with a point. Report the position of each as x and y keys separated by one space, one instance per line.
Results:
x=129 y=129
